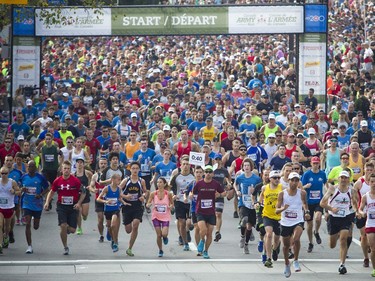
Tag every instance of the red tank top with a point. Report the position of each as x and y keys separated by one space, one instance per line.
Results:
x=181 y=150
x=314 y=148
x=238 y=161
x=288 y=152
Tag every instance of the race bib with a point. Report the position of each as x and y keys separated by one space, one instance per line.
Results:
x=161 y=208
x=31 y=190
x=291 y=214
x=49 y=157
x=219 y=205
x=371 y=216
x=3 y=201
x=145 y=168
x=356 y=170
x=134 y=197
x=313 y=151
x=341 y=213
x=112 y=201
x=67 y=200
x=206 y=203
x=314 y=194
x=246 y=199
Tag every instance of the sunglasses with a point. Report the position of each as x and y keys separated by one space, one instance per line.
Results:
x=208 y=172
x=345 y=158
x=295 y=169
x=4 y=173
x=243 y=149
x=295 y=179
x=276 y=178
x=69 y=142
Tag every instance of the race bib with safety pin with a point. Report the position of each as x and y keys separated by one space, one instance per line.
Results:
x=161 y=208
x=315 y=194
x=31 y=190
x=341 y=213
x=206 y=203
x=3 y=201
x=371 y=216
x=134 y=197
x=112 y=201
x=67 y=200
x=291 y=214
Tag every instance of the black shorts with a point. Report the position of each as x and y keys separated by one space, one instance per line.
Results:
x=99 y=207
x=147 y=181
x=49 y=175
x=360 y=222
x=182 y=210
x=314 y=208
x=67 y=214
x=250 y=214
x=109 y=214
x=210 y=219
x=193 y=217
x=31 y=213
x=130 y=214
x=87 y=197
x=336 y=224
x=273 y=223
x=287 y=231
x=219 y=205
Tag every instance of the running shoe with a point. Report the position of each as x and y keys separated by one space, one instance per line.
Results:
x=260 y=246
x=372 y=273
x=18 y=222
x=205 y=255
x=108 y=236
x=200 y=246
x=242 y=242
x=297 y=267
x=317 y=238
x=29 y=250
x=101 y=239
x=252 y=238
x=366 y=263
x=264 y=258
x=148 y=210
x=161 y=253
x=275 y=255
x=180 y=242
x=165 y=240
x=115 y=248
x=188 y=237
x=5 y=242
x=186 y=247
x=79 y=231
x=11 y=237
x=217 y=236
x=290 y=255
x=310 y=248
x=342 y=269
x=1 y=250
x=66 y=251
x=129 y=252
x=235 y=215
x=287 y=271
x=268 y=263
x=191 y=227
x=246 y=249
x=23 y=221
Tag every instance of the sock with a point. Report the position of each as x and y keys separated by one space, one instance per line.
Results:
x=248 y=235
x=243 y=229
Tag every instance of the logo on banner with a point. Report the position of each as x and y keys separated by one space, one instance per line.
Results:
x=316 y=18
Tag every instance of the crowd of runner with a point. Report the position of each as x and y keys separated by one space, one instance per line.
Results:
x=118 y=117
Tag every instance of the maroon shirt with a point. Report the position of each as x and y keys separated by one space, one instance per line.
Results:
x=68 y=190
x=206 y=196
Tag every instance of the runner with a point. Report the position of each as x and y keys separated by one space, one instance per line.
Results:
x=161 y=213
x=34 y=187
x=70 y=197
x=291 y=203
x=206 y=190
x=134 y=189
x=341 y=207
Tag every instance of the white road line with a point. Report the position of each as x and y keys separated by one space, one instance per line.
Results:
x=75 y=262
x=356 y=241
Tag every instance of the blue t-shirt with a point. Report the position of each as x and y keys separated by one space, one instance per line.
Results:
x=317 y=180
x=195 y=125
x=145 y=161
x=257 y=154
x=244 y=184
x=29 y=113
x=34 y=186
x=343 y=141
x=16 y=175
x=165 y=170
x=278 y=163
x=20 y=129
x=251 y=128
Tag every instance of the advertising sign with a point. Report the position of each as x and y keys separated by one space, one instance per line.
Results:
x=316 y=18
x=23 y=22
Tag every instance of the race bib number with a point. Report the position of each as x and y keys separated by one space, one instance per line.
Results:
x=67 y=200
x=49 y=157
x=206 y=203
x=314 y=194
x=31 y=190
x=371 y=216
x=313 y=151
x=356 y=170
x=145 y=168
x=112 y=201
x=3 y=201
x=134 y=197
x=291 y=214
x=219 y=205
x=161 y=208
x=246 y=199
x=341 y=213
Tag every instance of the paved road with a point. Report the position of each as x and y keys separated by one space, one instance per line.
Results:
x=92 y=260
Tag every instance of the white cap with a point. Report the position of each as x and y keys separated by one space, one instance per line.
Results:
x=237 y=87
x=274 y=173
x=311 y=131
x=65 y=95
x=344 y=174
x=272 y=135
x=29 y=102
x=364 y=123
x=293 y=175
x=20 y=137
x=133 y=115
x=297 y=105
x=335 y=131
x=166 y=128
x=271 y=116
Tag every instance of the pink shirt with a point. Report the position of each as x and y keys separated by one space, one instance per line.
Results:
x=161 y=209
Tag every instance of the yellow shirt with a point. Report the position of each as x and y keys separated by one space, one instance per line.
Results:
x=270 y=201
x=208 y=134
x=357 y=167
x=335 y=172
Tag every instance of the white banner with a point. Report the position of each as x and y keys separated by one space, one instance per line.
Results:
x=75 y=22
x=197 y=159
x=266 y=19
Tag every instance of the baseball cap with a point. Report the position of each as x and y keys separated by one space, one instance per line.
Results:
x=315 y=159
x=290 y=135
x=271 y=116
x=364 y=123
x=296 y=105
x=300 y=135
x=29 y=102
x=311 y=131
x=208 y=168
x=67 y=116
x=20 y=137
x=344 y=174
x=49 y=100
x=272 y=135
x=80 y=158
x=274 y=174
x=166 y=128
x=65 y=95
x=218 y=156
x=293 y=175
x=190 y=132
x=133 y=115
x=335 y=131
x=247 y=115
x=55 y=103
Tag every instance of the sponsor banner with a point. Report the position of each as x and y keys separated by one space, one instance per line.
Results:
x=74 y=21
x=26 y=62
x=14 y=2
x=316 y=18
x=23 y=21
x=266 y=19
x=312 y=66
x=169 y=20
